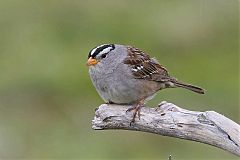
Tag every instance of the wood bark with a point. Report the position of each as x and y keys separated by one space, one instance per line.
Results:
x=167 y=119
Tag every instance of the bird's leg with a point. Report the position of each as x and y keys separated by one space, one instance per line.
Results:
x=136 y=108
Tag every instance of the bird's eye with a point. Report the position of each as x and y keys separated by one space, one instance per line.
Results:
x=104 y=55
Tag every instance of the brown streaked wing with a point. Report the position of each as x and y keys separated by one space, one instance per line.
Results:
x=144 y=67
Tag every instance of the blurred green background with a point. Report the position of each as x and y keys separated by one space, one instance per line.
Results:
x=47 y=100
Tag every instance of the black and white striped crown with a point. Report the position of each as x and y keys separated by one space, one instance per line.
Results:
x=101 y=50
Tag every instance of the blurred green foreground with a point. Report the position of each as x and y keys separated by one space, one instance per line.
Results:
x=47 y=100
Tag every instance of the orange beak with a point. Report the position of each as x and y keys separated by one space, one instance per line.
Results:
x=91 y=61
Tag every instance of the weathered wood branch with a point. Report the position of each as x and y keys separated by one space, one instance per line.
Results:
x=170 y=120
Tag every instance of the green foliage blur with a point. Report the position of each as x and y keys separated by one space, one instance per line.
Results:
x=47 y=100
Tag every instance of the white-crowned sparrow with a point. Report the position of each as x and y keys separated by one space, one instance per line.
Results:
x=126 y=75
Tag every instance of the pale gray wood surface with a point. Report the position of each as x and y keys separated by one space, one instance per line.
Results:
x=168 y=119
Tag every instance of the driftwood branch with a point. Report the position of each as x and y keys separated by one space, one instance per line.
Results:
x=170 y=120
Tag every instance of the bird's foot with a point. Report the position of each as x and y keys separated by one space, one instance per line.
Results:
x=136 y=111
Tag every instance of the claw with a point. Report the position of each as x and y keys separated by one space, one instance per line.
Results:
x=132 y=121
x=136 y=111
x=130 y=109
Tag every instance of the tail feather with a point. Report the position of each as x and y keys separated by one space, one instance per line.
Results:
x=189 y=87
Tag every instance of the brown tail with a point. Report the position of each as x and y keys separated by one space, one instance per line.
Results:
x=189 y=87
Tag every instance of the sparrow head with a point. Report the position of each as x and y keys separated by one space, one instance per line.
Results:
x=98 y=53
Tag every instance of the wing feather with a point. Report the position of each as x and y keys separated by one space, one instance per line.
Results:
x=144 y=67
